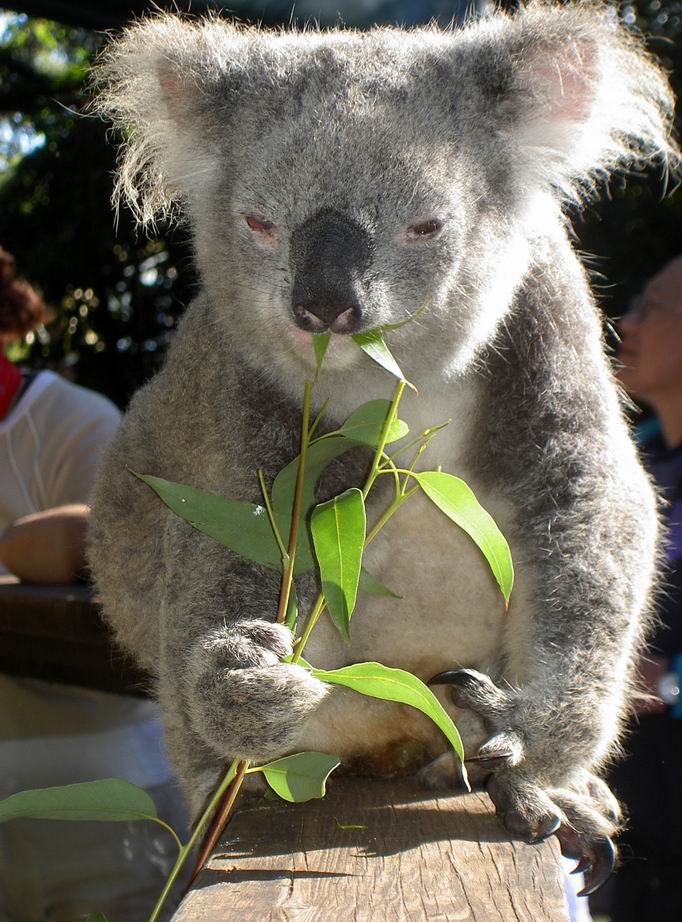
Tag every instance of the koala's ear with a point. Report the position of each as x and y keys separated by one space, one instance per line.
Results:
x=581 y=96
x=158 y=83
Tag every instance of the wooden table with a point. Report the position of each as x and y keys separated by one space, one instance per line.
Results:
x=374 y=851
x=57 y=633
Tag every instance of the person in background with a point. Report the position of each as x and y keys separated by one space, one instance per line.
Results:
x=649 y=883
x=52 y=434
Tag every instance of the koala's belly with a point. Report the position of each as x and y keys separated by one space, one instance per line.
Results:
x=450 y=614
x=450 y=609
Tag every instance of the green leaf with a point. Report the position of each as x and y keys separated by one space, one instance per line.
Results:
x=366 y=423
x=292 y=610
x=338 y=528
x=300 y=777
x=371 y=584
x=372 y=342
x=378 y=681
x=97 y=917
x=241 y=527
x=320 y=453
x=320 y=343
x=108 y=799
x=458 y=502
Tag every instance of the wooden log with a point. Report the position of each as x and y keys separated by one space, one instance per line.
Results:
x=375 y=851
x=57 y=633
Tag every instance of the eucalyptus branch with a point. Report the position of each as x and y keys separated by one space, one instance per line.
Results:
x=233 y=774
x=285 y=590
x=388 y=422
x=223 y=803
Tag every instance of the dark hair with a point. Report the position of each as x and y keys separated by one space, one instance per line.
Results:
x=21 y=308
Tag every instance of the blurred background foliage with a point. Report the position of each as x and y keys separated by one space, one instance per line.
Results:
x=116 y=295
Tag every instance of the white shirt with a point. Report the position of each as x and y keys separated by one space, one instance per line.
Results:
x=50 y=445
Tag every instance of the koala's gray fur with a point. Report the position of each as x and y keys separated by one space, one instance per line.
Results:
x=343 y=141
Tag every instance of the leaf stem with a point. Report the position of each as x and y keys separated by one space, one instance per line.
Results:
x=285 y=589
x=381 y=444
x=186 y=849
x=223 y=811
x=271 y=517
x=318 y=608
x=222 y=801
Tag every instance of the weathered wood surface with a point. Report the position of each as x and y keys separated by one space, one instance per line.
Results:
x=420 y=857
x=56 y=633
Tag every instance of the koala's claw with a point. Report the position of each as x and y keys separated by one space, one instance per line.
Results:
x=491 y=760
x=475 y=691
x=596 y=860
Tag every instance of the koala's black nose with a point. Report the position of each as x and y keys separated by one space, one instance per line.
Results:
x=340 y=318
x=329 y=254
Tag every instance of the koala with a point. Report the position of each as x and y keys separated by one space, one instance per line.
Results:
x=338 y=180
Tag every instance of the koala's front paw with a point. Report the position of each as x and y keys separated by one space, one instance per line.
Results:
x=244 y=701
x=583 y=814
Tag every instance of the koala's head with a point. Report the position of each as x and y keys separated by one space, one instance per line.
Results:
x=342 y=180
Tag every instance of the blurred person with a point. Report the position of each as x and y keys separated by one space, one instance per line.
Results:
x=52 y=434
x=649 y=885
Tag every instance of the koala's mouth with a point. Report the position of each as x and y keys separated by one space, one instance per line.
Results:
x=340 y=352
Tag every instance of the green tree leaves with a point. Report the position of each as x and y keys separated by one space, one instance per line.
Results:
x=365 y=424
x=299 y=777
x=109 y=799
x=242 y=527
x=379 y=681
x=459 y=504
x=338 y=530
x=372 y=342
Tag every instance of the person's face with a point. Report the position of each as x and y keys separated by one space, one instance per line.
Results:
x=651 y=338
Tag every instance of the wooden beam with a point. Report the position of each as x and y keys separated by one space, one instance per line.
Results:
x=57 y=633
x=375 y=851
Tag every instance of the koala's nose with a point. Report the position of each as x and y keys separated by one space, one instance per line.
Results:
x=330 y=255
x=340 y=317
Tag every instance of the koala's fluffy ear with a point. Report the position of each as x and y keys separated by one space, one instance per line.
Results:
x=156 y=83
x=581 y=97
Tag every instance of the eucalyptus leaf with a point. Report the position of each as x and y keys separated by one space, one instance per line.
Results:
x=366 y=423
x=108 y=799
x=457 y=501
x=300 y=777
x=378 y=681
x=372 y=342
x=320 y=344
x=338 y=528
x=371 y=584
x=320 y=453
x=241 y=527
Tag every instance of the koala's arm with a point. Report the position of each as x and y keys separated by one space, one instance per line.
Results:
x=555 y=441
x=197 y=616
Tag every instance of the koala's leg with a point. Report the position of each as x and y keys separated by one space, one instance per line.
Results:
x=533 y=799
x=583 y=533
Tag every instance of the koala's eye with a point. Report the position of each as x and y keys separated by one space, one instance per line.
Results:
x=261 y=226
x=424 y=230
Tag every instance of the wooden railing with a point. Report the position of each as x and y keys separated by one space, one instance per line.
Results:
x=375 y=851
x=56 y=633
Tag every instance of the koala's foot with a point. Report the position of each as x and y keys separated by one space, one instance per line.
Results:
x=582 y=815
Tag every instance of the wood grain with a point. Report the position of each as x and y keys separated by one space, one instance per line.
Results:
x=420 y=857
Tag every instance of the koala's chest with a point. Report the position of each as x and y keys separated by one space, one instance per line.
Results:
x=449 y=611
